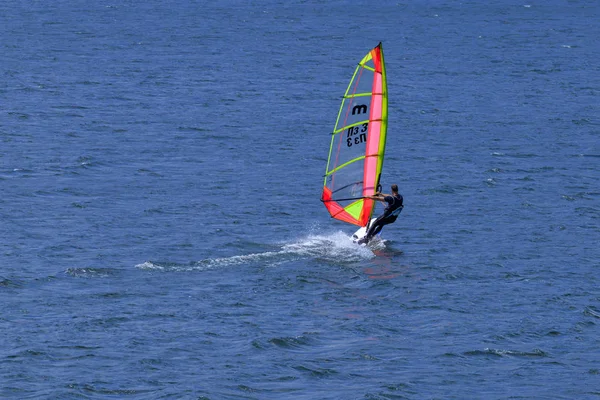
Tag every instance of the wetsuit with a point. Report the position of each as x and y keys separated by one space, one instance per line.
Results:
x=391 y=212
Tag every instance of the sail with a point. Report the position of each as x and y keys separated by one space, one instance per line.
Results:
x=358 y=143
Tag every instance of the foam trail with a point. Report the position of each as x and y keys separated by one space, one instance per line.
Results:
x=336 y=247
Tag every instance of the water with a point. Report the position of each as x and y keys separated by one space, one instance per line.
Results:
x=161 y=234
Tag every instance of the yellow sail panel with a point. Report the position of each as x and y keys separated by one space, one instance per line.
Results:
x=355 y=209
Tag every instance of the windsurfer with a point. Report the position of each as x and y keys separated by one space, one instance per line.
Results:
x=394 y=204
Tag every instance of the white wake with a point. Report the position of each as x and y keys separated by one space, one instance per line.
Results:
x=336 y=247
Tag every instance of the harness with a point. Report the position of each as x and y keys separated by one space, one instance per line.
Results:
x=397 y=211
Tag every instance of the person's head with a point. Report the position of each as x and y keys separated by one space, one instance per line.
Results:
x=395 y=188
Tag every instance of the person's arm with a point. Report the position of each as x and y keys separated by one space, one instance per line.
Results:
x=379 y=197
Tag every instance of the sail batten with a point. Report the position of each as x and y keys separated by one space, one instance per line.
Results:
x=345 y=165
x=351 y=96
x=358 y=143
x=351 y=126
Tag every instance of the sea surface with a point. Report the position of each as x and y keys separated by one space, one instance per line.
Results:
x=161 y=234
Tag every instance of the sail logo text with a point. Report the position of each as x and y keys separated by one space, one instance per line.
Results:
x=359 y=109
x=356 y=135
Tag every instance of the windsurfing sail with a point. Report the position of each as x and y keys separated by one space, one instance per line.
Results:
x=358 y=143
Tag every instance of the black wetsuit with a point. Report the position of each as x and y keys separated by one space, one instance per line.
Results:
x=391 y=212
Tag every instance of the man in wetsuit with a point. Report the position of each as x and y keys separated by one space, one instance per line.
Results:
x=392 y=210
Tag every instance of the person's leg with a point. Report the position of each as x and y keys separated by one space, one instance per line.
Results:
x=378 y=229
x=375 y=228
x=381 y=222
x=368 y=234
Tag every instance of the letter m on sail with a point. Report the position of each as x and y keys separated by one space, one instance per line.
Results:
x=359 y=109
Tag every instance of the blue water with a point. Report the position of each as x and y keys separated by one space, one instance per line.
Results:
x=161 y=232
